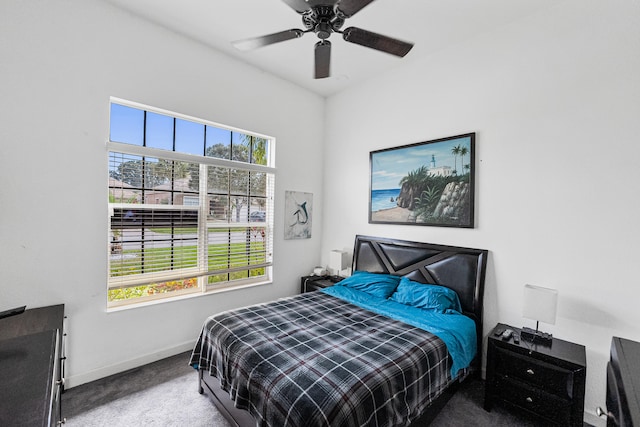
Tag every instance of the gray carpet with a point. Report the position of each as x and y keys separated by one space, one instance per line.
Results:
x=165 y=393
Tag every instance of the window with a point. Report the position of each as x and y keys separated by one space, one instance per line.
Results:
x=190 y=205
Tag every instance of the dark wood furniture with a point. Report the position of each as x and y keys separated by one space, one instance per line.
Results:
x=32 y=367
x=315 y=283
x=623 y=384
x=461 y=269
x=545 y=381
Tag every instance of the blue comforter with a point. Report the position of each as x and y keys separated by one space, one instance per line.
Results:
x=456 y=330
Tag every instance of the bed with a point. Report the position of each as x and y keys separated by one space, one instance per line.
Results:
x=362 y=352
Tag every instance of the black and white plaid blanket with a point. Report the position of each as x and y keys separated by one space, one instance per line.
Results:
x=316 y=360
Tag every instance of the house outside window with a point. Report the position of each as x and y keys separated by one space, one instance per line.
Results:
x=190 y=206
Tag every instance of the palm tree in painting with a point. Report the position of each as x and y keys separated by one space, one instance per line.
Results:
x=463 y=151
x=455 y=151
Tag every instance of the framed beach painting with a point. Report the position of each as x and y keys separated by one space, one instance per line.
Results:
x=427 y=183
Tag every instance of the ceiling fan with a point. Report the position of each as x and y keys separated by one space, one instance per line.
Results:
x=324 y=17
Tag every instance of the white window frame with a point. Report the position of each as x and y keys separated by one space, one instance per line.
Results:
x=201 y=270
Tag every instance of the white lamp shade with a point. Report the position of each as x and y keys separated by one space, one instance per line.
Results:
x=338 y=261
x=540 y=304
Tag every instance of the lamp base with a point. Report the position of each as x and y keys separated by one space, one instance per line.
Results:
x=536 y=336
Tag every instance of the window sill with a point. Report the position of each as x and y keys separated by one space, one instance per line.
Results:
x=220 y=289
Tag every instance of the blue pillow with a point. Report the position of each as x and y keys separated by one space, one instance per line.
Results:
x=430 y=297
x=376 y=284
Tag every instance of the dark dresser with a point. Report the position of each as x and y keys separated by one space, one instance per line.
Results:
x=623 y=384
x=32 y=367
x=546 y=381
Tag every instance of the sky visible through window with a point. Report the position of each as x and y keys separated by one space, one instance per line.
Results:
x=128 y=126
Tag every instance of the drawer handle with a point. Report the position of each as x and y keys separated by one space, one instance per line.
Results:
x=601 y=413
x=530 y=371
x=529 y=400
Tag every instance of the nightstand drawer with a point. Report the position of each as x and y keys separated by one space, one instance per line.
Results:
x=553 y=378
x=549 y=406
x=316 y=283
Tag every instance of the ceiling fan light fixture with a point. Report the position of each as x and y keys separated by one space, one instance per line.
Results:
x=323 y=30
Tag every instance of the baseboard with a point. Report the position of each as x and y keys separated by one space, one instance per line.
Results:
x=76 y=380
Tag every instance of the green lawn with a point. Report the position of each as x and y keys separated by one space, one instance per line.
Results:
x=221 y=257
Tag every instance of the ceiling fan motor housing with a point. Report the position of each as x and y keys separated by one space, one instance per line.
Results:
x=322 y=20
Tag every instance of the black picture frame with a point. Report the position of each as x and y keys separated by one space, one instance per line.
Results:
x=430 y=183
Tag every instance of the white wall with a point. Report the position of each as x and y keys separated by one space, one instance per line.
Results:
x=60 y=63
x=554 y=100
x=555 y=104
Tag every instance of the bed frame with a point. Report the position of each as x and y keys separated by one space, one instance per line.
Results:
x=461 y=269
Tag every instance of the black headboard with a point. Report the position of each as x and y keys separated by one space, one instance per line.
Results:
x=461 y=269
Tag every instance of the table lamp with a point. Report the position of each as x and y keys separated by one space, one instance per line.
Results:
x=338 y=261
x=539 y=304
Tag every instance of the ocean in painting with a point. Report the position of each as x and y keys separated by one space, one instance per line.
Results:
x=384 y=199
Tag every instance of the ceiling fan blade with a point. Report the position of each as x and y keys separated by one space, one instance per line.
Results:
x=376 y=41
x=323 y=59
x=256 y=42
x=351 y=7
x=299 y=6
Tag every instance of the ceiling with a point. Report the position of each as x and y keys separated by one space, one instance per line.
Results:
x=430 y=24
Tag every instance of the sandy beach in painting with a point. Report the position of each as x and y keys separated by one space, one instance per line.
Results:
x=393 y=215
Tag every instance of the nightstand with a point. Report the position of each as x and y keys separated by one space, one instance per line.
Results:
x=545 y=381
x=314 y=283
